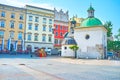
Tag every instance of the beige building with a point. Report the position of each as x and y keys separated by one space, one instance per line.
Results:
x=39 y=25
x=12 y=25
x=75 y=21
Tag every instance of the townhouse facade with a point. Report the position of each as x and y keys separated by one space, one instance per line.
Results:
x=60 y=26
x=12 y=25
x=39 y=25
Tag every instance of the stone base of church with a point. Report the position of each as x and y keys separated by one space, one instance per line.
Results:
x=87 y=55
x=68 y=54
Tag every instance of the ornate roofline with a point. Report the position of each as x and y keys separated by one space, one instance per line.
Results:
x=61 y=11
x=40 y=8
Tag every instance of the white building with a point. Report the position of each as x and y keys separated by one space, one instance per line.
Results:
x=66 y=44
x=39 y=25
x=91 y=37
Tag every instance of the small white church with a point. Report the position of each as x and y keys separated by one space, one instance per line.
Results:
x=90 y=37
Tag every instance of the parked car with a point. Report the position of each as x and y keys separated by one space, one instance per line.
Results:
x=48 y=52
x=52 y=52
x=110 y=55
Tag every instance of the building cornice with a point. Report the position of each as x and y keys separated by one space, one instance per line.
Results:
x=61 y=21
x=40 y=8
x=92 y=27
x=37 y=42
x=41 y=15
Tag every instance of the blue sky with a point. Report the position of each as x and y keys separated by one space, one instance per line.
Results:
x=105 y=10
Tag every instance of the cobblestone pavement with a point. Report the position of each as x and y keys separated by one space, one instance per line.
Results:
x=56 y=68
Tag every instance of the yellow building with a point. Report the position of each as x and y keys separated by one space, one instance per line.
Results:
x=12 y=25
x=75 y=21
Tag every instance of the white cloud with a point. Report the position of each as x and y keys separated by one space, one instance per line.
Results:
x=43 y=5
x=22 y=3
x=17 y=3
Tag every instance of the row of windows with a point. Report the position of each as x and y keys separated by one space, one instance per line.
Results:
x=58 y=41
x=12 y=24
x=21 y=17
x=11 y=34
x=37 y=19
x=36 y=28
x=61 y=28
x=29 y=37
x=56 y=34
x=3 y=14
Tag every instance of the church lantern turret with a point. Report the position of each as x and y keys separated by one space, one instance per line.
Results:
x=90 y=12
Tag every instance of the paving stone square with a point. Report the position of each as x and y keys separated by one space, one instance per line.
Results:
x=57 y=68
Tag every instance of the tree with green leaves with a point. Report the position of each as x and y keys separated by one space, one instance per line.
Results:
x=108 y=25
x=74 y=48
x=116 y=46
x=117 y=43
x=110 y=45
x=117 y=37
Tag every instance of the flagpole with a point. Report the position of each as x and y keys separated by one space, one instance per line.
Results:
x=15 y=45
x=9 y=43
x=2 y=44
x=22 y=44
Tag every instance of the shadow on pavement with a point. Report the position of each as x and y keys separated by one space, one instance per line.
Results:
x=25 y=56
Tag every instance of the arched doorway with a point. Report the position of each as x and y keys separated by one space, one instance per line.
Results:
x=19 y=47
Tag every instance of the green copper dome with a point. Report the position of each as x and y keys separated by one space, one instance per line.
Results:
x=91 y=22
